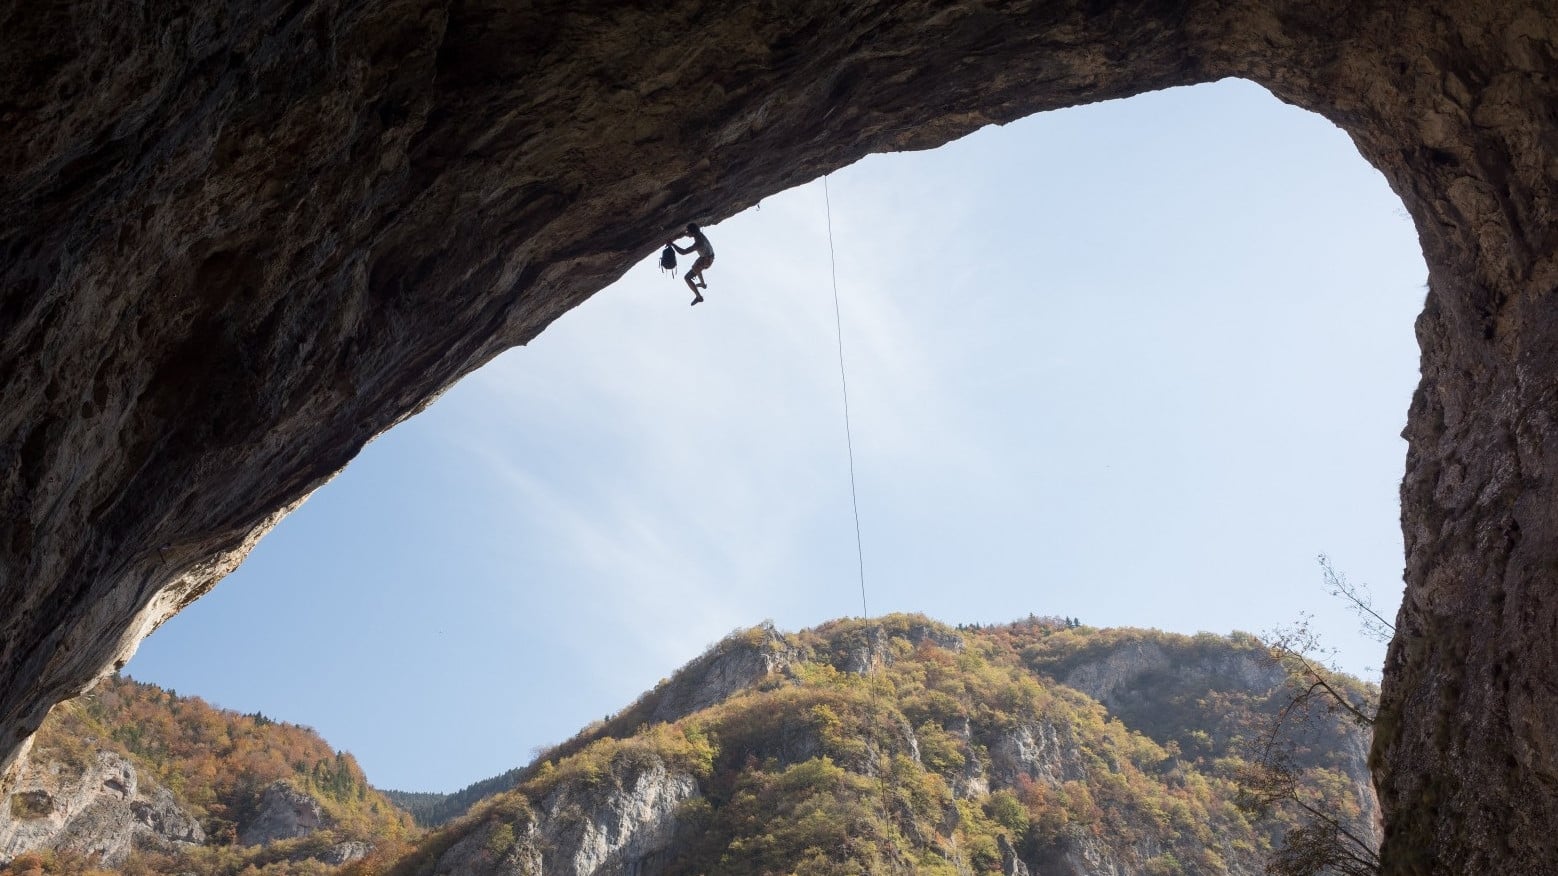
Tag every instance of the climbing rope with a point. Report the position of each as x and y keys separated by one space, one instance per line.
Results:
x=854 y=501
x=849 y=438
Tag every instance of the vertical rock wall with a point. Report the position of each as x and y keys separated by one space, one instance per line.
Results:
x=238 y=239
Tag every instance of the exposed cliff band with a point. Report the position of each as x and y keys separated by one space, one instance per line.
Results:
x=238 y=240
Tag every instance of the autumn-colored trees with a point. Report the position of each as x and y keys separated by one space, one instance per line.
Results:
x=895 y=745
x=218 y=764
x=917 y=764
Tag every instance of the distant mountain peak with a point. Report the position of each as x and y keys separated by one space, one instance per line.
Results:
x=902 y=744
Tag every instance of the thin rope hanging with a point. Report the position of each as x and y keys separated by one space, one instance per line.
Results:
x=854 y=498
x=849 y=438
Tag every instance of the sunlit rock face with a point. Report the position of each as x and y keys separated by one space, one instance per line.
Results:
x=106 y=810
x=239 y=239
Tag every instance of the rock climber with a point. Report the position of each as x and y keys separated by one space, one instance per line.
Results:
x=705 y=251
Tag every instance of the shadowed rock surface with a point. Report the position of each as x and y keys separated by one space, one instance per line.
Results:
x=284 y=813
x=238 y=240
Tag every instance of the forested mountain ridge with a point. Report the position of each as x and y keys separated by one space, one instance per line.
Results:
x=431 y=809
x=900 y=745
x=897 y=745
x=136 y=779
x=731 y=665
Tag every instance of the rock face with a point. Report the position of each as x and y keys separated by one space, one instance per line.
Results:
x=1131 y=681
x=345 y=853
x=734 y=665
x=1011 y=865
x=941 y=763
x=106 y=810
x=629 y=826
x=874 y=648
x=237 y=240
x=617 y=829
x=1051 y=756
x=1111 y=678
x=284 y=813
x=1040 y=752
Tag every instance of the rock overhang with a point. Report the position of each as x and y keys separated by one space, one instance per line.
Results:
x=238 y=241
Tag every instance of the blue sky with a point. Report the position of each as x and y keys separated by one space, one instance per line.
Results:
x=1136 y=362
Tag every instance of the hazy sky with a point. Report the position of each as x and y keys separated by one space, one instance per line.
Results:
x=1136 y=363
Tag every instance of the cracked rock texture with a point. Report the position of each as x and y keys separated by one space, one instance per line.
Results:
x=107 y=810
x=238 y=239
x=619 y=828
x=735 y=664
x=284 y=813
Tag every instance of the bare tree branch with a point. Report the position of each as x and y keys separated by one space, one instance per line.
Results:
x=1325 y=842
x=1359 y=599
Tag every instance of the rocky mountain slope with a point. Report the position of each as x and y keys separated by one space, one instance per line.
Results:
x=904 y=746
x=240 y=239
x=137 y=779
x=731 y=666
x=894 y=746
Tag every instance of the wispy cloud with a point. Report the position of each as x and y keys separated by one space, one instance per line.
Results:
x=695 y=452
x=1091 y=373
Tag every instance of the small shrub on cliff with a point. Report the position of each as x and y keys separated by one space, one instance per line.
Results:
x=30 y=804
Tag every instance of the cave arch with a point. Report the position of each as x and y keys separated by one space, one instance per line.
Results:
x=683 y=445
x=238 y=242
